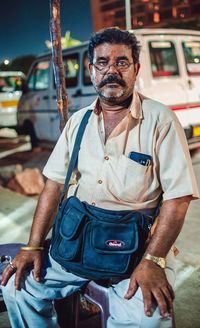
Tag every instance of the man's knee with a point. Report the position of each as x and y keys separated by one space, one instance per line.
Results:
x=132 y=311
x=9 y=292
x=156 y=320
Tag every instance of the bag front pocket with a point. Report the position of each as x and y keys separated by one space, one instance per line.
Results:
x=70 y=234
x=109 y=247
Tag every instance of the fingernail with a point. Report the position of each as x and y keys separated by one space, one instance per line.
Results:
x=166 y=314
x=149 y=314
x=127 y=295
x=37 y=278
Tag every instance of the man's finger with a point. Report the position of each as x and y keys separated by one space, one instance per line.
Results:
x=18 y=278
x=147 y=299
x=7 y=273
x=171 y=291
x=131 y=289
x=37 y=269
x=161 y=302
x=168 y=298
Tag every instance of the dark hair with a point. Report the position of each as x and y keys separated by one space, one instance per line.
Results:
x=114 y=35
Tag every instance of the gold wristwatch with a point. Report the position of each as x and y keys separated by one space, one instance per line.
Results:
x=158 y=260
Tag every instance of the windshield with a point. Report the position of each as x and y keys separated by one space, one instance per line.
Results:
x=192 y=56
x=39 y=78
x=10 y=83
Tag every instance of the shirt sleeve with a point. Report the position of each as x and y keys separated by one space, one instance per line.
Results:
x=175 y=166
x=57 y=164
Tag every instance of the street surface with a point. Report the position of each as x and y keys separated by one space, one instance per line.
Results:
x=15 y=220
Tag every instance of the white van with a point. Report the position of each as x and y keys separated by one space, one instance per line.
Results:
x=170 y=73
x=10 y=92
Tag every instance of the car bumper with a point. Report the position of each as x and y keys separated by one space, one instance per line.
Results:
x=8 y=117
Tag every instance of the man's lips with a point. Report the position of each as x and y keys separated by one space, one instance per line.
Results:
x=112 y=84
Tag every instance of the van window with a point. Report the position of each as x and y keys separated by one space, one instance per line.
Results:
x=71 y=64
x=191 y=51
x=163 y=59
x=39 y=77
x=86 y=75
x=10 y=83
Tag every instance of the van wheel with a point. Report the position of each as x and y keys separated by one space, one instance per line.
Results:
x=28 y=129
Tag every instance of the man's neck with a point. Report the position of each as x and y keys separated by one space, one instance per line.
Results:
x=114 y=114
x=111 y=109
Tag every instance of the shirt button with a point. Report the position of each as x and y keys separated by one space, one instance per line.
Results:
x=100 y=181
x=106 y=158
x=93 y=203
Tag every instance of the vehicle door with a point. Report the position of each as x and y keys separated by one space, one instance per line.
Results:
x=88 y=93
x=166 y=83
x=34 y=104
x=71 y=63
x=191 y=50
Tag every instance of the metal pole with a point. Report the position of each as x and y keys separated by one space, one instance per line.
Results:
x=128 y=14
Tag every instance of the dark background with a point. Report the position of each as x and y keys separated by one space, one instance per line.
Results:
x=24 y=25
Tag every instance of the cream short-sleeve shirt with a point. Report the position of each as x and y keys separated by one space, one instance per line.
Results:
x=105 y=175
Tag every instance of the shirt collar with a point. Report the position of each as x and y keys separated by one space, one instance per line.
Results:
x=136 y=106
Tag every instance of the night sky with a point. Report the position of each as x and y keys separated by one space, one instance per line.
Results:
x=24 y=25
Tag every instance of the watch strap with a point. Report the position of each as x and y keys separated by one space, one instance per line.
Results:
x=160 y=261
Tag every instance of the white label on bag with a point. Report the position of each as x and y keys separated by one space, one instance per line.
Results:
x=115 y=243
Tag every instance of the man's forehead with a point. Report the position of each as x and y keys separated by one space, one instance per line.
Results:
x=112 y=50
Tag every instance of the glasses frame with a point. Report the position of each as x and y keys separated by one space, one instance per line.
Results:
x=104 y=70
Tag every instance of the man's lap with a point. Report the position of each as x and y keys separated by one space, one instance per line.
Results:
x=56 y=283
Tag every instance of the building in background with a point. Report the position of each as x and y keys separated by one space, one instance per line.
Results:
x=146 y=13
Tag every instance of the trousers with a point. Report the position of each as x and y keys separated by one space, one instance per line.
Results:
x=32 y=306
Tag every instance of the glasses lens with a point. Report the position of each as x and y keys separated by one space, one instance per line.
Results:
x=118 y=66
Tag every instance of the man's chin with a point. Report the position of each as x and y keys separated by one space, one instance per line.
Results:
x=112 y=97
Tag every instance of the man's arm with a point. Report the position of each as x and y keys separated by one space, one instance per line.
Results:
x=45 y=212
x=42 y=222
x=148 y=275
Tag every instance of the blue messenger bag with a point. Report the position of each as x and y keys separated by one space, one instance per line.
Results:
x=97 y=243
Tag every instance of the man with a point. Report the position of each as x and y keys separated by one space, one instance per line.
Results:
x=122 y=121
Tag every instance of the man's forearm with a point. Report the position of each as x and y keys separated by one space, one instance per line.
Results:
x=170 y=222
x=45 y=212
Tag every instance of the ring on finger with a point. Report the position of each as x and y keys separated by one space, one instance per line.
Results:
x=13 y=267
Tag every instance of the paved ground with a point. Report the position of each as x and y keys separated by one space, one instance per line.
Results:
x=187 y=303
x=15 y=220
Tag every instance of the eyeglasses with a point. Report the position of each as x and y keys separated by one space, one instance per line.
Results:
x=121 y=65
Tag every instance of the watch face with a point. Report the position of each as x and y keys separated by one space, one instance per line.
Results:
x=162 y=263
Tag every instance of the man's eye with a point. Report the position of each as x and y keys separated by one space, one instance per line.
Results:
x=102 y=63
x=122 y=63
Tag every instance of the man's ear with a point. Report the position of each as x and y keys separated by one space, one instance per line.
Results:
x=137 y=67
x=90 y=68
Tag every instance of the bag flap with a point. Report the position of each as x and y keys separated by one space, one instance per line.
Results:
x=110 y=238
x=71 y=223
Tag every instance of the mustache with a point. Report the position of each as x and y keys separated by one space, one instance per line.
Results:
x=112 y=79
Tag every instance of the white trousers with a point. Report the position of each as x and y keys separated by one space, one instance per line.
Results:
x=32 y=306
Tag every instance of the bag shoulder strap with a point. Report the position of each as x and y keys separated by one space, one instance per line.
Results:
x=75 y=151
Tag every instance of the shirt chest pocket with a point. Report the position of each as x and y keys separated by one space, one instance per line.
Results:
x=131 y=179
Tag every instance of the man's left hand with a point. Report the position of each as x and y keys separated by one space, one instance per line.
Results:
x=153 y=283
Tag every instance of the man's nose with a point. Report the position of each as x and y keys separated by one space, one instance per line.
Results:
x=112 y=69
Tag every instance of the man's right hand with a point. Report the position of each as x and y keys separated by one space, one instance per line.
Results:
x=23 y=260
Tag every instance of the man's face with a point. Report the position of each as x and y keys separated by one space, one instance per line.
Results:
x=113 y=72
